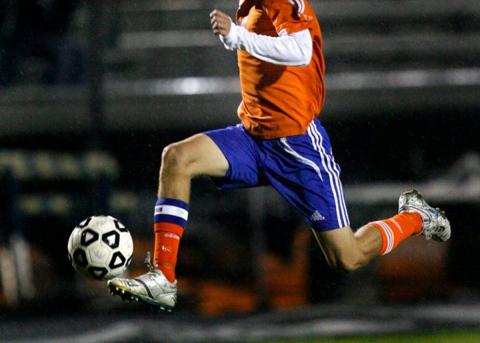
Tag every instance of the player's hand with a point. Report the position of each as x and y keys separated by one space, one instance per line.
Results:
x=221 y=22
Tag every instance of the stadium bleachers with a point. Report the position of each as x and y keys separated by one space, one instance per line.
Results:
x=359 y=35
x=39 y=190
x=166 y=72
x=410 y=52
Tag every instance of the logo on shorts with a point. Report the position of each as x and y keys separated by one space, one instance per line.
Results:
x=316 y=217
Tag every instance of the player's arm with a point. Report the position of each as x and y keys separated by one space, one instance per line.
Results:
x=287 y=49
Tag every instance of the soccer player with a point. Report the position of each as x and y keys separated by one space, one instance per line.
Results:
x=280 y=142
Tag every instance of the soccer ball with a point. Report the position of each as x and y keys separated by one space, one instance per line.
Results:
x=100 y=247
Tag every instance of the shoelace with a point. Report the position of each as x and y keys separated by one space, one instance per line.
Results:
x=148 y=262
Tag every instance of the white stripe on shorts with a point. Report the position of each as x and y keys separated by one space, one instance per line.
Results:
x=338 y=183
x=330 y=167
x=300 y=158
x=171 y=211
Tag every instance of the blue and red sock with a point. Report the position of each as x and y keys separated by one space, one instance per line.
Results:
x=171 y=216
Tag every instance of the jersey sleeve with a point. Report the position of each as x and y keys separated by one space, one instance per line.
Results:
x=287 y=15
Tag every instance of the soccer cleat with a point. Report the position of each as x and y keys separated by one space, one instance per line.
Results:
x=152 y=288
x=435 y=224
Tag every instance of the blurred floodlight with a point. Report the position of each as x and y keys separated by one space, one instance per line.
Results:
x=404 y=79
x=338 y=81
x=178 y=86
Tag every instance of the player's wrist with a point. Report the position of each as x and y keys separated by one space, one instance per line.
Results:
x=231 y=38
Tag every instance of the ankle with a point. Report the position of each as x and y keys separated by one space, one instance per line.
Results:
x=167 y=270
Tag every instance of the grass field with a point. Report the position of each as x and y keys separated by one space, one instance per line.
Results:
x=472 y=336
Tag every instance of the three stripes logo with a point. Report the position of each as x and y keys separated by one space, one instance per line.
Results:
x=316 y=217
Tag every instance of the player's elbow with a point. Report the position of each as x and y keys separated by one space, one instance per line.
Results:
x=303 y=61
x=304 y=48
x=305 y=56
x=300 y=56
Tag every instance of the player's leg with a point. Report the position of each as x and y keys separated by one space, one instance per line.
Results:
x=302 y=169
x=350 y=250
x=346 y=250
x=213 y=154
x=227 y=155
x=181 y=161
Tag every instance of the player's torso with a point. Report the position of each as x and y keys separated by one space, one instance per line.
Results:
x=278 y=100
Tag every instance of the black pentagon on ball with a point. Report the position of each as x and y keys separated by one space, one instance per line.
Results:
x=80 y=258
x=88 y=237
x=85 y=223
x=117 y=260
x=120 y=226
x=112 y=239
x=97 y=272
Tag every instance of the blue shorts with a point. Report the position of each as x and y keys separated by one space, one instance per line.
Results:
x=301 y=168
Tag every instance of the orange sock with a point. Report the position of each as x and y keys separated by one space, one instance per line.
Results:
x=398 y=228
x=170 y=219
x=167 y=241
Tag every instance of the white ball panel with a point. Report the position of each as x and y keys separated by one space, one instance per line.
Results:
x=98 y=254
x=73 y=240
x=126 y=244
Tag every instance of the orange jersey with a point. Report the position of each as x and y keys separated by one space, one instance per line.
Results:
x=278 y=100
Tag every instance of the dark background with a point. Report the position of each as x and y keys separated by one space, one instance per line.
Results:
x=125 y=78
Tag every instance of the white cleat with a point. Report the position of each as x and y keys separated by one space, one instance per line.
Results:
x=435 y=224
x=152 y=288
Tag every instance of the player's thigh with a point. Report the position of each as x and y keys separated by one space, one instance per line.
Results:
x=304 y=172
x=243 y=156
x=197 y=155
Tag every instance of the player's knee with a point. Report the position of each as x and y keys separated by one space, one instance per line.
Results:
x=175 y=158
